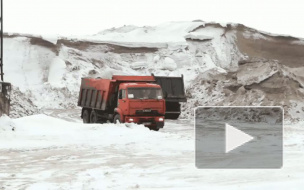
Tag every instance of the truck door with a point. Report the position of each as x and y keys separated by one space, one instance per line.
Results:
x=122 y=101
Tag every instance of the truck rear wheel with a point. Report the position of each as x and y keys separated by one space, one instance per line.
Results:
x=86 y=116
x=93 y=117
x=117 y=118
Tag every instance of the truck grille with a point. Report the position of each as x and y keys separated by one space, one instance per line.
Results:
x=147 y=112
x=144 y=120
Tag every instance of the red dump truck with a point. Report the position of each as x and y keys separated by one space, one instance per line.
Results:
x=126 y=99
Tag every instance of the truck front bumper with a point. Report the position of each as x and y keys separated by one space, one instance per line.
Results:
x=160 y=124
x=147 y=121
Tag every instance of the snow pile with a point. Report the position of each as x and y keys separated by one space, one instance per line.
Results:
x=139 y=65
x=49 y=131
x=169 y=64
x=56 y=72
x=221 y=64
x=107 y=74
x=21 y=104
x=26 y=63
x=6 y=124
x=168 y=32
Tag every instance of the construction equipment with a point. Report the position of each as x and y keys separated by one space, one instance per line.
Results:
x=5 y=87
x=137 y=99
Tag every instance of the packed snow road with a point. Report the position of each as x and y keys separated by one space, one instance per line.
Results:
x=55 y=150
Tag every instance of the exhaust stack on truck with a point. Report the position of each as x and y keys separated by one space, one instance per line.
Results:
x=126 y=99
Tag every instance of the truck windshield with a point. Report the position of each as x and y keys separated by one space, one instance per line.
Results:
x=145 y=93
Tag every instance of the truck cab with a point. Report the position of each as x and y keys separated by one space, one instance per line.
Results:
x=141 y=103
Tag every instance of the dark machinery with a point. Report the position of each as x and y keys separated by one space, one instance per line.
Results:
x=5 y=87
x=174 y=93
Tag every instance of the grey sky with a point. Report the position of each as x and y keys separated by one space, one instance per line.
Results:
x=78 y=17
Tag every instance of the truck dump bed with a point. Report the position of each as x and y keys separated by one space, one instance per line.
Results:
x=101 y=93
x=174 y=93
x=173 y=88
x=95 y=93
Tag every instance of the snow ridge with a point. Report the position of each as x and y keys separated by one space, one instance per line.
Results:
x=222 y=64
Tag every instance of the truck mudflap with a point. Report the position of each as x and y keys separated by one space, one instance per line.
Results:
x=173 y=88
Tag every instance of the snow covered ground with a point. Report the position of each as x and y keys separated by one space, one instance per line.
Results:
x=44 y=152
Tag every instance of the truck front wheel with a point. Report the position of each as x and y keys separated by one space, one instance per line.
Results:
x=86 y=116
x=117 y=118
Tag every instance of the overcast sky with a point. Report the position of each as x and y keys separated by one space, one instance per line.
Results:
x=78 y=17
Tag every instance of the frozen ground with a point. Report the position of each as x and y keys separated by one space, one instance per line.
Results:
x=55 y=150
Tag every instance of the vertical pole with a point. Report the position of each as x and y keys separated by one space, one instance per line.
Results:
x=1 y=64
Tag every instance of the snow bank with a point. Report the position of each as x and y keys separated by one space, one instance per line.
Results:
x=139 y=65
x=25 y=64
x=49 y=76
x=40 y=131
x=56 y=72
x=50 y=38
x=6 y=124
x=256 y=72
x=197 y=37
x=107 y=74
x=168 y=64
x=163 y=33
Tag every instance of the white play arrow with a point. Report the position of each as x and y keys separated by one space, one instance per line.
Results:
x=235 y=138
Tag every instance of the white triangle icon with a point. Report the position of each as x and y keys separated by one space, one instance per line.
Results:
x=235 y=138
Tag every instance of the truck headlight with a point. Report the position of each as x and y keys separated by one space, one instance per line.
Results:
x=161 y=119
x=131 y=119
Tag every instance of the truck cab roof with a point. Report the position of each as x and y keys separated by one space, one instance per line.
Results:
x=139 y=84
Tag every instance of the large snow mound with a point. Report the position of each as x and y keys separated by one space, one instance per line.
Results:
x=56 y=72
x=221 y=65
x=163 y=33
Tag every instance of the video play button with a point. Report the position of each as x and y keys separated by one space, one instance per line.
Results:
x=238 y=137
x=235 y=137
